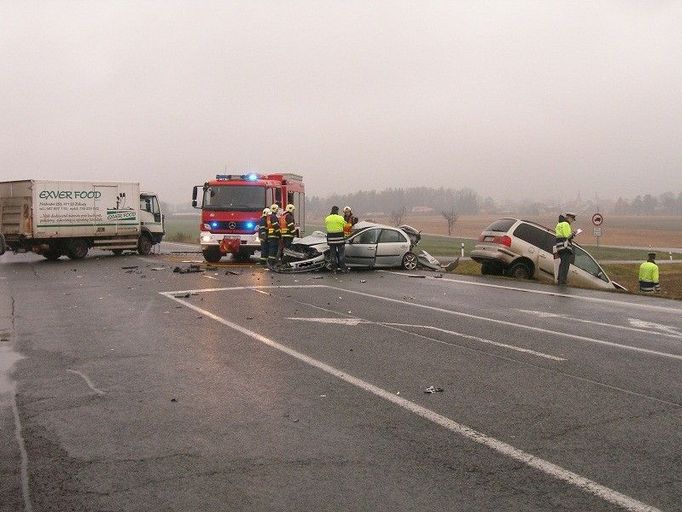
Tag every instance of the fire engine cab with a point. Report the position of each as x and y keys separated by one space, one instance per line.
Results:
x=232 y=205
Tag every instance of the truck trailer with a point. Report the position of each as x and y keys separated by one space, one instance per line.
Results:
x=56 y=218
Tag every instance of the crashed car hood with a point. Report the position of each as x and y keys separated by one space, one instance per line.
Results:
x=312 y=240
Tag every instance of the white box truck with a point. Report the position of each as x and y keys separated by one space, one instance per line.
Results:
x=56 y=218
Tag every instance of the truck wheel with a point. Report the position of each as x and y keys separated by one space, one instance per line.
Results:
x=144 y=245
x=212 y=254
x=77 y=249
x=52 y=254
x=2 y=244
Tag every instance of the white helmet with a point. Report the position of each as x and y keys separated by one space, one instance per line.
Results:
x=347 y=209
x=274 y=207
x=290 y=207
x=267 y=211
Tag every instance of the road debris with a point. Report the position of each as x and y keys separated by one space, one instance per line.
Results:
x=130 y=267
x=158 y=268
x=233 y=272
x=433 y=389
x=418 y=277
x=188 y=270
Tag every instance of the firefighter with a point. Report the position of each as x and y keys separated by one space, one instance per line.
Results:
x=288 y=226
x=349 y=221
x=274 y=235
x=563 y=245
x=263 y=236
x=337 y=244
x=648 y=275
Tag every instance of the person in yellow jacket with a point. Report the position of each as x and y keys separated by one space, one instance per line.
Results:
x=563 y=246
x=648 y=275
x=334 y=223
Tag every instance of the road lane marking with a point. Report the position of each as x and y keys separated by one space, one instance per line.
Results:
x=540 y=292
x=482 y=340
x=544 y=466
x=357 y=321
x=442 y=310
x=664 y=330
x=642 y=326
x=513 y=324
x=87 y=381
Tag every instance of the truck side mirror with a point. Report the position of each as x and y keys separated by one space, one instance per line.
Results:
x=194 y=196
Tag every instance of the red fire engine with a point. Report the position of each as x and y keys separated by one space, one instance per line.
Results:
x=231 y=207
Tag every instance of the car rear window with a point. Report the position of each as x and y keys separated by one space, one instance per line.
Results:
x=536 y=236
x=501 y=225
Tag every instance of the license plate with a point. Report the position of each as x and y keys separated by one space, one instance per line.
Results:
x=231 y=237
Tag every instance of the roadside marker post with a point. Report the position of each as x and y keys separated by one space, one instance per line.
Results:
x=597 y=220
x=463 y=251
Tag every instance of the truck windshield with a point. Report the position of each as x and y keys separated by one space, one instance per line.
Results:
x=234 y=197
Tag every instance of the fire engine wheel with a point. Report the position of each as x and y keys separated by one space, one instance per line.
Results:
x=212 y=255
x=410 y=261
x=243 y=256
x=144 y=245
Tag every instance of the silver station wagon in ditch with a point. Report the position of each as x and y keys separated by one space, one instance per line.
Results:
x=523 y=249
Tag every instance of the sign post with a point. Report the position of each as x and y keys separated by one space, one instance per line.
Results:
x=597 y=220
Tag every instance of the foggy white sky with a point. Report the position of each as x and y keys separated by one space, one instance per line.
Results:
x=505 y=97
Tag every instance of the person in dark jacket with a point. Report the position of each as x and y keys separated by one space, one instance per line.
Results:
x=263 y=236
x=288 y=226
x=274 y=235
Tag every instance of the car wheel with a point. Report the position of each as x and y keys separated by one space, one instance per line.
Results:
x=490 y=268
x=520 y=270
x=410 y=261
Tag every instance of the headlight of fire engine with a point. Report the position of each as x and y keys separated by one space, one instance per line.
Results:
x=206 y=227
x=206 y=237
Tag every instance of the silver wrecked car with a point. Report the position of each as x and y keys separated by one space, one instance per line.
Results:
x=370 y=245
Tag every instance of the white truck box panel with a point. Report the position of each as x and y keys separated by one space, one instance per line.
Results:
x=76 y=208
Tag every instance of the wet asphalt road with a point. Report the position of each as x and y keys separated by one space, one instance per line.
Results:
x=142 y=389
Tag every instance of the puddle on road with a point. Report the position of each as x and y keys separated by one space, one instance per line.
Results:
x=8 y=358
